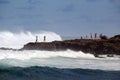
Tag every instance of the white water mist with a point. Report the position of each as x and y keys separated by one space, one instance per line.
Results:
x=17 y=40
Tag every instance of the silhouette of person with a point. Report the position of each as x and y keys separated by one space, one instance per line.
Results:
x=36 y=39
x=44 y=39
x=95 y=35
x=91 y=35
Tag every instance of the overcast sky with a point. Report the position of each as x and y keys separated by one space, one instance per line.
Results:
x=65 y=17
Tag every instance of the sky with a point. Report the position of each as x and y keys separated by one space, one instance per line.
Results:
x=65 y=17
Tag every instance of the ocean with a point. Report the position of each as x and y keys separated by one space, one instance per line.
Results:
x=51 y=65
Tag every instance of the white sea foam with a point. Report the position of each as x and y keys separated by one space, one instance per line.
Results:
x=17 y=40
x=23 y=55
x=59 y=59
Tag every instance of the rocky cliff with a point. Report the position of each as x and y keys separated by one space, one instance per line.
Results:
x=96 y=46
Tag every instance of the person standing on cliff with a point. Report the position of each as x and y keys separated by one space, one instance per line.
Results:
x=95 y=35
x=100 y=36
x=91 y=35
x=44 y=39
x=36 y=39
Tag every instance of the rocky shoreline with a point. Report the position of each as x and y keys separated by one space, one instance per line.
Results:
x=103 y=46
x=97 y=47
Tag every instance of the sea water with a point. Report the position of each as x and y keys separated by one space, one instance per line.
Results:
x=51 y=65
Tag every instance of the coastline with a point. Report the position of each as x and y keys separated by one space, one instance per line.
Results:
x=109 y=47
x=101 y=48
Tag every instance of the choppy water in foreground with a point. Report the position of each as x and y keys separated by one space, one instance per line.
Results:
x=56 y=65
x=47 y=73
x=51 y=65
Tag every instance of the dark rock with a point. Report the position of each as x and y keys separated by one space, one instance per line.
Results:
x=3 y=48
x=116 y=37
x=96 y=47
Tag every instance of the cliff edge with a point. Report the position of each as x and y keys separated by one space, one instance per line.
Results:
x=94 y=46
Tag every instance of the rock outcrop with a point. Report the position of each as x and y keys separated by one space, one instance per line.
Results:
x=97 y=47
x=3 y=48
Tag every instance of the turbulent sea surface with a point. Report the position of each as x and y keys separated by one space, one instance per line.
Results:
x=52 y=65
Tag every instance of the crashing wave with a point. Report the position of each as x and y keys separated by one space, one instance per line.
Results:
x=17 y=40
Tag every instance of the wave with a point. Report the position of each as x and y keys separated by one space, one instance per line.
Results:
x=47 y=73
x=17 y=40
x=30 y=54
x=58 y=59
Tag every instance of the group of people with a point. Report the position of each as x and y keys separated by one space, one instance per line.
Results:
x=92 y=37
x=44 y=39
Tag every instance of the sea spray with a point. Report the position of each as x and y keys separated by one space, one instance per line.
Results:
x=29 y=54
x=17 y=40
x=58 y=59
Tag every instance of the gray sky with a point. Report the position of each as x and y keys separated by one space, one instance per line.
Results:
x=65 y=17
